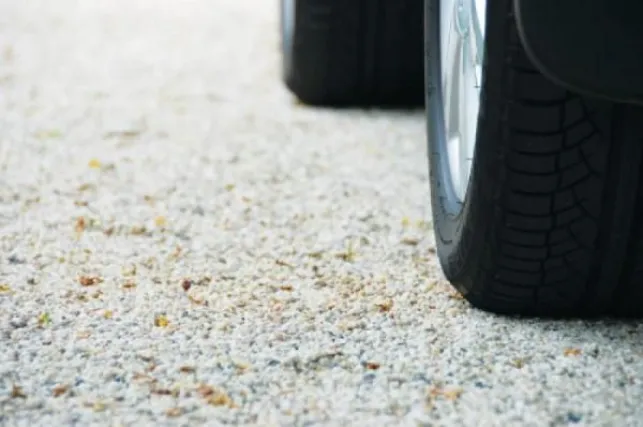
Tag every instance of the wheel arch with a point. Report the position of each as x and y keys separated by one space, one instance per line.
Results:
x=593 y=47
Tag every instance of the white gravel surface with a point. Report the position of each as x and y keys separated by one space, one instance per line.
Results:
x=182 y=244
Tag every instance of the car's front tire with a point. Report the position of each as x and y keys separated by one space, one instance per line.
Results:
x=547 y=218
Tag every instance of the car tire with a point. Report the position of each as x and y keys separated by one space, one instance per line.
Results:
x=353 y=52
x=551 y=223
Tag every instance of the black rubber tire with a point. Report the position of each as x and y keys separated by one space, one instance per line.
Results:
x=355 y=52
x=552 y=223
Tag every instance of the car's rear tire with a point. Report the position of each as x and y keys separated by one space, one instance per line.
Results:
x=551 y=223
x=353 y=52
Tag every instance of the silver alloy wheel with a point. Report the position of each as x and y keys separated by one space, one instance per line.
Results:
x=462 y=29
x=287 y=23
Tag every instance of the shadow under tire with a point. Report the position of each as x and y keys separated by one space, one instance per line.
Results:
x=552 y=220
x=353 y=52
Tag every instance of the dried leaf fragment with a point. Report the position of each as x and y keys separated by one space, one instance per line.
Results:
x=315 y=255
x=89 y=280
x=160 y=221
x=283 y=263
x=203 y=281
x=196 y=301
x=410 y=241
x=452 y=394
x=80 y=225
x=96 y=406
x=572 y=351
x=205 y=390
x=129 y=271
x=161 y=321
x=385 y=306
x=5 y=289
x=162 y=391
x=448 y=394
x=44 y=319
x=349 y=254
x=174 y=412
x=187 y=369
x=241 y=367
x=108 y=314
x=456 y=295
x=519 y=362
x=59 y=390
x=17 y=393
x=138 y=230
x=221 y=398
x=129 y=284
x=373 y=366
x=143 y=377
x=86 y=186
x=94 y=163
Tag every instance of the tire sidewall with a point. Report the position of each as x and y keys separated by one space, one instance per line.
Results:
x=454 y=222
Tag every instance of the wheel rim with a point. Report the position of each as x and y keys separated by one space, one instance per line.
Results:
x=287 y=23
x=462 y=29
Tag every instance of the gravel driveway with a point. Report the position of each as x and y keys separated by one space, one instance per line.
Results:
x=182 y=244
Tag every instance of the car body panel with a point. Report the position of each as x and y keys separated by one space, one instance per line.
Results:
x=593 y=47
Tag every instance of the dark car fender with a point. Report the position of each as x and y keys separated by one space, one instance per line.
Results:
x=593 y=47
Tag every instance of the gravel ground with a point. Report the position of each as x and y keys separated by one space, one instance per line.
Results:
x=181 y=243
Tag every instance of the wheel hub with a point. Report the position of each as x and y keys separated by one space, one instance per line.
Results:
x=462 y=11
x=461 y=48
x=287 y=24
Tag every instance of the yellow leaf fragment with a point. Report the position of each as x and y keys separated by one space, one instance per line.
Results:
x=44 y=319
x=221 y=398
x=94 y=163
x=161 y=321
x=160 y=221
x=451 y=394
x=572 y=351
